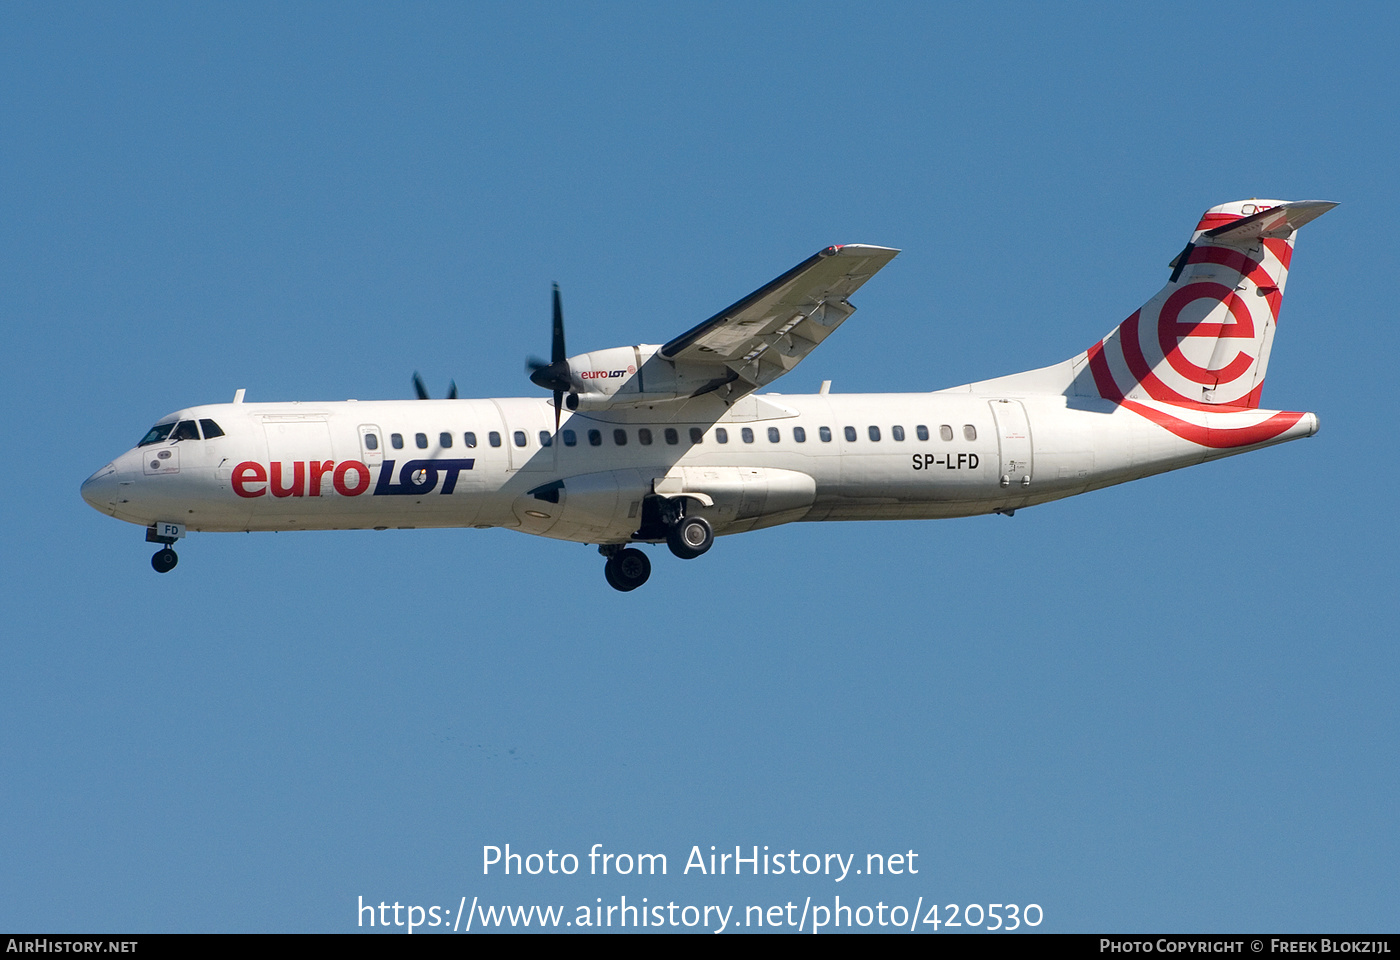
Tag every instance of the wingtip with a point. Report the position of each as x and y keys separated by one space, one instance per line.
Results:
x=859 y=250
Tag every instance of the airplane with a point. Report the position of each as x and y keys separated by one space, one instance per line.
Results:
x=673 y=443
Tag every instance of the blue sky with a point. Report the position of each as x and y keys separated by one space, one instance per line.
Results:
x=1164 y=706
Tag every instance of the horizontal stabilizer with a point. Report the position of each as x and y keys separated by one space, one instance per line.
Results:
x=1279 y=221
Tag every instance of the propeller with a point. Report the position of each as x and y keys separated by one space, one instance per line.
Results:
x=554 y=375
x=422 y=390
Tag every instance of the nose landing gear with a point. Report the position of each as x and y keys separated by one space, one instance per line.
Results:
x=165 y=534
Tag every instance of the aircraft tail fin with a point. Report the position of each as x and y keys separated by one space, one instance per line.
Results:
x=1204 y=339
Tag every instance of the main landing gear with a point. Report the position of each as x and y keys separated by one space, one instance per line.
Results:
x=164 y=560
x=627 y=567
x=662 y=519
x=689 y=537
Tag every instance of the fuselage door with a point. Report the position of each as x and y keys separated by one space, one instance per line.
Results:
x=293 y=441
x=291 y=438
x=371 y=444
x=1014 y=442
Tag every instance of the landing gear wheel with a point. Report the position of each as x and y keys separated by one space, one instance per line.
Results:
x=690 y=537
x=627 y=569
x=164 y=561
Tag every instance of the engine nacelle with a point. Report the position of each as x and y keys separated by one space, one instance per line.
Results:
x=634 y=375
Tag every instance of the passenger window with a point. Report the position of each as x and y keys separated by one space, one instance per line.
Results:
x=595 y=438
x=824 y=433
x=371 y=442
x=644 y=437
x=520 y=438
x=570 y=438
x=721 y=435
x=969 y=432
x=545 y=439
x=799 y=434
x=897 y=433
x=445 y=440
x=469 y=439
x=494 y=438
x=922 y=431
x=672 y=437
x=620 y=437
x=422 y=440
x=946 y=432
x=747 y=434
x=850 y=434
x=874 y=433
x=773 y=435
x=396 y=439
x=211 y=429
x=697 y=435
x=185 y=430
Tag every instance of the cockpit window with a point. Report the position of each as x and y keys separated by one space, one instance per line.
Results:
x=185 y=430
x=158 y=433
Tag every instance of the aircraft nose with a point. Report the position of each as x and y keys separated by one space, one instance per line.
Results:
x=100 y=489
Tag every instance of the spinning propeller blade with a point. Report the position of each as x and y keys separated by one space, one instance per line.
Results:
x=422 y=390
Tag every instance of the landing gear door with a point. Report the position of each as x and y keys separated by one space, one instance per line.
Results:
x=1014 y=443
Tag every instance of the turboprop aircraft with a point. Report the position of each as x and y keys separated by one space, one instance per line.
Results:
x=673 y=444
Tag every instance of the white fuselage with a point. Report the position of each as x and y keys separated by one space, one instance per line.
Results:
x=411 y=464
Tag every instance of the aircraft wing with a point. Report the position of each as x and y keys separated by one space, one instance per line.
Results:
x=758 y=339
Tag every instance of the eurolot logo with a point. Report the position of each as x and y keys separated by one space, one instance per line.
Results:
x=1223 y=325
x=349 y=478
x=605 y=374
